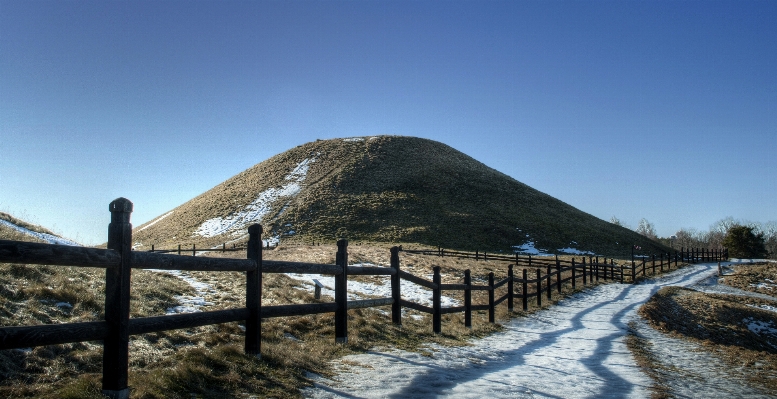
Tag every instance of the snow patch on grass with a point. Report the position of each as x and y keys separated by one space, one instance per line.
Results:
x=155 y=221
x=358 y=290
x=49 y=238
x=258 y=208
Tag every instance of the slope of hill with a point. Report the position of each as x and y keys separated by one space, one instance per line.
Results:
x=388 y=189
x=12 y=228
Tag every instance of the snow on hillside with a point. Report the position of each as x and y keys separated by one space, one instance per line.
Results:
x=259 y=208
x=49 y=238
x=159 y=219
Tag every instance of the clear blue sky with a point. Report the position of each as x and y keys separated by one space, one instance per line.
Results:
x=662 y=110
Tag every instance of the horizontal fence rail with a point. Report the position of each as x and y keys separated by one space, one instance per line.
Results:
x=547 y=275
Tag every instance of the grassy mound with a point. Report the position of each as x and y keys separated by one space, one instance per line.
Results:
x=390 y=189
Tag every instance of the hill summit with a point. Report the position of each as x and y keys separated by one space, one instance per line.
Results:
x=389 y=189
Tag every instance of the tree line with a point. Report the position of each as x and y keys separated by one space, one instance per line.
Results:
x=743 y=239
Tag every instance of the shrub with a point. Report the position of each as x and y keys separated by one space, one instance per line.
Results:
x=743 y=242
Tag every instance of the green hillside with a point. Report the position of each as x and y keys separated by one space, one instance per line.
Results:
x=386 y=189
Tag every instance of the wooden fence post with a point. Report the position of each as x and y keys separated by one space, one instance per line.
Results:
x=396 y=307
x=539 y=288
x=525 y=288
x=179 y=249
x=654 y=263
x=558 y=274
x=584 y=273
x=633 y=272
x=117 y=302
x=467 y=299
x=574 y=283
x=152 y=247
x=491 y=315
x=510 y=288
x=253 y=343
x=341 y=293
x=436 y=301
x=194 y=247
x=549 y=284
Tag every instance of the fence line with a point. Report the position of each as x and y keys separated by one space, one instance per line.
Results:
x=118 y=260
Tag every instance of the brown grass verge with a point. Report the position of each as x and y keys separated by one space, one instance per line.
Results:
x=758 y=277
x=719 y=323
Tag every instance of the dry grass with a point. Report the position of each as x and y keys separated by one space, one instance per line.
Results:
x=759 y=277
x=720 y=324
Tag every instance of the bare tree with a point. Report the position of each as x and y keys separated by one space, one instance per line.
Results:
x=616 y=221
x=647 y=229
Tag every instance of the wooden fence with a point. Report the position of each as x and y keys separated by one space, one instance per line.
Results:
x=118 y=260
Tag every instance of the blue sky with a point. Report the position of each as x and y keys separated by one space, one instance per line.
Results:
x=657 y=110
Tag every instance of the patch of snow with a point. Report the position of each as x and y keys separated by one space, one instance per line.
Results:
x=358 y=290
x=765 y=307
x=189 y=303
x=761 y=327
x=155 y=221
x=764 y=286
x=258 y=208
x=574 y=251
x=353 y=139
x=528 y=248
x=49 y=238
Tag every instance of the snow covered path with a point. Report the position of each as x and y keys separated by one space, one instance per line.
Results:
x=575 y=349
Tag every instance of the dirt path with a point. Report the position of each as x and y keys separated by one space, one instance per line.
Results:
x=573 y=350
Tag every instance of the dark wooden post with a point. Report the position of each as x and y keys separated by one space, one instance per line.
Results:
x=467 y=299
x=644 y=267
x=396 y=307
x=574 y=272
x=253 y=344
x=436 y=301
x=654 y=263
x=491 y=315
x=510 y=287
x=224 y=247
x=558 y=274
x=525 y=288
x=549 y=284
x=612 y=269
x=539 y=288
x=477 y=256
x=584 y=273
x=341 y=293
x=152 y=247
x=621 y=267
x=633 y=272
x=179 y=249
x=117 y=302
